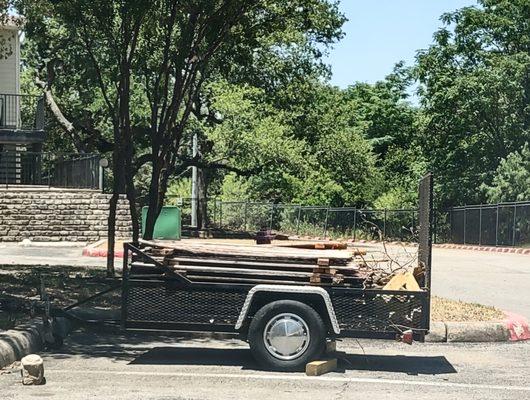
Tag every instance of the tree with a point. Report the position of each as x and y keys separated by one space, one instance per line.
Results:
x=475 y=93
x=511 y=181
x=154 y=57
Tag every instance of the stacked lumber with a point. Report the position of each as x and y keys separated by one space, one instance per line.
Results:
x=300 y=263
x=233 y=263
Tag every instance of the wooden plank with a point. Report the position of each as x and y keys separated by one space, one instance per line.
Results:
x=300 y=244
x=262 y=251
x=224 y=279
x=238 y=271
x=254 y=264
x=317 y=368
x=403 y=281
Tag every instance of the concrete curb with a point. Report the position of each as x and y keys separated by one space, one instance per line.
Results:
x=94 y=250
x=30 y=338
x=512 y=250
x=514 y=328
x=492 y=249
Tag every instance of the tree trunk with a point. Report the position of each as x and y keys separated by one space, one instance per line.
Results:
x=111 y=234
x=118 y=187
x=130 y=191
x=153 y=204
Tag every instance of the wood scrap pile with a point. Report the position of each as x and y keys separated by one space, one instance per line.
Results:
x=300 y=263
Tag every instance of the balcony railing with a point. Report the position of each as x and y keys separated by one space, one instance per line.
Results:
x=80 y=171
x=21 y=112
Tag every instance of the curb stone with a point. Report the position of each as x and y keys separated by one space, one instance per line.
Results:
x=95 y=250
x=477 y=332
x=29 y=338
x=512 y=250
x=492 y=249
x=514 y=328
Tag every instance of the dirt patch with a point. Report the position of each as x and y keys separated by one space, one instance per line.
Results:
x=458 y=311
x=21 y=286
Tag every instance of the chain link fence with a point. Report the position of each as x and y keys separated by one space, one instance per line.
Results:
x=504 y=224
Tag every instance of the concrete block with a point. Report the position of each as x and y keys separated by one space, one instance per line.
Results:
x=477 y=332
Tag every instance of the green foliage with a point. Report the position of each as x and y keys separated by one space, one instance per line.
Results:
x=270 y=126
x=475 y=93
x=512 y=178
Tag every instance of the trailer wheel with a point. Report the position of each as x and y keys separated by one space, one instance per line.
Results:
x=285 y=335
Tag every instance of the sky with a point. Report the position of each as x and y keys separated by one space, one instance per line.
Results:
x=379 y=33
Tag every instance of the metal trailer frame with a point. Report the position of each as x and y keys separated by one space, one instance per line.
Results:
x=168 y=301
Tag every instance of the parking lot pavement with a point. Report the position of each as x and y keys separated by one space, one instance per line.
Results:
x=495 y=279
x=108 y=366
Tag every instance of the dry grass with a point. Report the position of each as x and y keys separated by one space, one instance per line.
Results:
x=454 y=310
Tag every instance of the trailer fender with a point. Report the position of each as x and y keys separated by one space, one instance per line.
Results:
x=288 y=289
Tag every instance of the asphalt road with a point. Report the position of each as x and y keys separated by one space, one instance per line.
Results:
x=138 y=367
x=496 y=279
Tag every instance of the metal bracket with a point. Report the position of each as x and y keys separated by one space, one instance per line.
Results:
x=288 y=289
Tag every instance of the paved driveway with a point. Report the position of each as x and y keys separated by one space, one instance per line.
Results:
x=139 y=367
x=496 y=279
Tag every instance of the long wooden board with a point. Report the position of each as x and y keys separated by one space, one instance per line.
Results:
x=252 y=252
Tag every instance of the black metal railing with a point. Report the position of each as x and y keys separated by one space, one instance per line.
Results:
x=21 y=112
x=503 y=224
x=80 y=171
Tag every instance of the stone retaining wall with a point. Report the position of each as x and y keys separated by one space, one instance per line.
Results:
x=59 y=215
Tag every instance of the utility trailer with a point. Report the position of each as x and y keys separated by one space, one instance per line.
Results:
x=286 y=325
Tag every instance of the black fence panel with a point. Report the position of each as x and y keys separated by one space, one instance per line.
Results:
x=80 y=171
x=504 y=224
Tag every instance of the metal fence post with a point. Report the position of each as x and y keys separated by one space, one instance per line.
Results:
x=480 y=226
x=245 y=216
x=214 y=209
x=514 y=222
x=298 y=219
x=464 y=225
x=384 y=224
x=326 y=223
x=435 y=226
x=220 y=215
x=272 y=215
x=497 y=227
x=354 y=224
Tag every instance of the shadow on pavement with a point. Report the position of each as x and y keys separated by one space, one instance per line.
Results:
x=141 y=349
x=411 y=365
x=197 y=356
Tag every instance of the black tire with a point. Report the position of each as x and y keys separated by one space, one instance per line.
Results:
x=317 y=335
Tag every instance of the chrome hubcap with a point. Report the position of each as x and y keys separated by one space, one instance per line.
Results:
x=286 y=336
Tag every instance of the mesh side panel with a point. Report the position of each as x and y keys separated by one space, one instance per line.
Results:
x=378 y=312
x=164 y=304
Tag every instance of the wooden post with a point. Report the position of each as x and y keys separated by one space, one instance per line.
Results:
x=32 y=370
